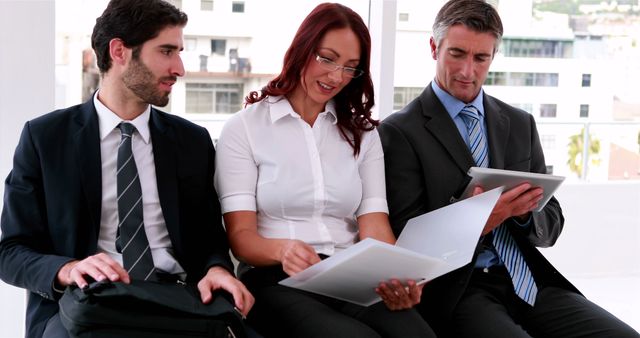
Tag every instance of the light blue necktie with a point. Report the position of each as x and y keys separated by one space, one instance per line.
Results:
x=507 y=249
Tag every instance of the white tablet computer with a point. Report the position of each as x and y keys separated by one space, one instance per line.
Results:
x=489 y=178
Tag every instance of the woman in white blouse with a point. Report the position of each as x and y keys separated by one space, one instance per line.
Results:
x=300 y=175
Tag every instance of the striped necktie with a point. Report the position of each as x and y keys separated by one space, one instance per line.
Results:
x=506 y=248
x=131 y=240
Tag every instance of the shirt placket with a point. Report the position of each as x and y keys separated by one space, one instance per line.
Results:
x=319 y=192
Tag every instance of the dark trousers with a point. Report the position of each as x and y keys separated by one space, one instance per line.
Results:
x=54 y=328
x=281 y=311
x=490 y=308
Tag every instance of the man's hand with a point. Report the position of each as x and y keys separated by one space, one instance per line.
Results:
x=400 y=297
x=296 y=256
x=517 y=202
x=218 y=278
x=99 y=267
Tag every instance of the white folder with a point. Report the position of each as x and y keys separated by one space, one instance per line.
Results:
x=430 y=245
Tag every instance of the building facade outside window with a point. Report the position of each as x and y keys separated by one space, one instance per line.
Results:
x=529 y=48
x=213 y=98
x=521 y=79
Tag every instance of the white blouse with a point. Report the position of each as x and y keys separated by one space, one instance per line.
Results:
x=303 y=181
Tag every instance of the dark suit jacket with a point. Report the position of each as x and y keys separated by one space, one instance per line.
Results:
x=53 y=197
x=426 y=161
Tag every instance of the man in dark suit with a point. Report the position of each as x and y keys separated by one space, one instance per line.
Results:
x=62 y=212
x=430 y=145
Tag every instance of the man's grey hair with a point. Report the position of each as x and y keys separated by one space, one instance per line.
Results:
x=476 y=15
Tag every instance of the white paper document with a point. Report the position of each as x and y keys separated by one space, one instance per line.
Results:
x=429 y=246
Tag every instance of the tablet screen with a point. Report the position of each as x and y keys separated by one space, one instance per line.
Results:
x=489 y=178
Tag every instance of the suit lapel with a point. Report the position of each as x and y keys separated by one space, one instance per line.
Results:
x=165 y=158
x=497 y=130
x=87 y=152
x=442 y=127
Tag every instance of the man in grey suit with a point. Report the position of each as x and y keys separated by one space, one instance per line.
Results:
x=62 y=215
x=430 y=145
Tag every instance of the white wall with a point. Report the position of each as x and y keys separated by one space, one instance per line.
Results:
x=601 y=237
x=26 y=90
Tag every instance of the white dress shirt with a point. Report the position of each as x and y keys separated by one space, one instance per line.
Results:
x=154 y=223
x=303 y=181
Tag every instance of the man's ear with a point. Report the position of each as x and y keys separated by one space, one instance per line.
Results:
x=119 y=52
x=434 y=48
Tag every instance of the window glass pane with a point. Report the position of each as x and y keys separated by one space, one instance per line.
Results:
x=533 y=48
x=218 y=46
x=528 y=107
x=177 y=3
x=206 y=5
x=398 y=100
x=403 y=95
x=584 y=110
x=190 y=44
x=548 y=110
x=548 y=141
x=199 y=102
x=214 y=98
x=238 y=7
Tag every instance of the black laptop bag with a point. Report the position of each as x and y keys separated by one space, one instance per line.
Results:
x=147 y=309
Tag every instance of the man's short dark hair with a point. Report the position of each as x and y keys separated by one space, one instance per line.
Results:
x=134 y=22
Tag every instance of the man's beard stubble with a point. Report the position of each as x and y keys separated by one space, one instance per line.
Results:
x=141 y=81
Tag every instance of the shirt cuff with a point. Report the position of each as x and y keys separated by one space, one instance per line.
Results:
x=237 y=203
x=524 y=224
x=56 y=290
x=370 y=205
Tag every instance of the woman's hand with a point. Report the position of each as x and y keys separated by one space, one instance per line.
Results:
x=400 y=297
x=296 y=256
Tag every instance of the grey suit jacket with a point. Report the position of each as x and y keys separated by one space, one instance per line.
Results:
x=426 y=161
x=53 y=197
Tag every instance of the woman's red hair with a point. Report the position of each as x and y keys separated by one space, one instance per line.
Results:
x=353 y=103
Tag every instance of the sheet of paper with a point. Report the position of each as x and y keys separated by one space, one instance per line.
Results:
x=353 y=274
x=430 y=246
x=450 y=233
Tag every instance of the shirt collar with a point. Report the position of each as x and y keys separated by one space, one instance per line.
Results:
x=108 y=120
x=279 y=107
x=453 y=105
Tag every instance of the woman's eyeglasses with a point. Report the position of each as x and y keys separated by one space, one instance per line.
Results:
x=332 y=66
